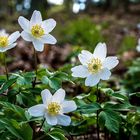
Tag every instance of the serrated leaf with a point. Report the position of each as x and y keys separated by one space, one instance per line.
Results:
x=55 y=83
x=7 y=84
x=110 y=120
x=17 y=111
x=89 y=108
x=57 y=136
x=120 y=96
x=45 y=80
x=21 y=131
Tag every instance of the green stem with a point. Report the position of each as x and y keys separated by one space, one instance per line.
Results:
x=5 y=65
x=35 y=60
x=41 y=125
x=98 y=128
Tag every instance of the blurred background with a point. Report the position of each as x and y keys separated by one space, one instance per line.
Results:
x=81 y=24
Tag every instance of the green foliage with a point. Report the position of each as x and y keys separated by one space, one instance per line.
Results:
x=7 y=84
x=81 y=32
x=132 y=77
x=55 y=135
x=12 y=122
x=110 y=119
x=128 y=43
x=90 y=108
x=18 y=94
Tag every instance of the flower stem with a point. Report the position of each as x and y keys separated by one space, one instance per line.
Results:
x=41 y=125
x=5 y=65
x=35 y=61
x=98 y=128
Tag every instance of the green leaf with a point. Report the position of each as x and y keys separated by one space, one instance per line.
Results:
x=2 y=79
x=13 y=110
x=62 y=76
x=89 y=108
x=25 y=78
x=55 y=83
x=107 y=91
x=57 y=136
x=45 y=80
x=7 y=84
x=11 y=126
x=120 y=96
x=118 y=106
x=110 y=119
x=21 y=131
x=26 y=131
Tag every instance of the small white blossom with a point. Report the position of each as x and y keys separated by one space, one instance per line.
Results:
x=8 y=41
x=95 y=66
x=37 y=31
x=138 y=46
x=53 y=108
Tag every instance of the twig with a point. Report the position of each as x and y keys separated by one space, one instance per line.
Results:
x=98 y=129
x=41 y=125
x=5 y=64
x=35 y=60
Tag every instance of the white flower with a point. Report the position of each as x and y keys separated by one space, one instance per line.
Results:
x=138 y=46
x=95 y=66
x=53 y=108
x=37 y=31
x=7 y=41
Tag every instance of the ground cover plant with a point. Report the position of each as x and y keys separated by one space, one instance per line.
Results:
x=36 y=104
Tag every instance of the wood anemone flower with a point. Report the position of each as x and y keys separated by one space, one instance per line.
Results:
x=95 y=66
x=53 y=108
x=8 y=41
x=37 y=31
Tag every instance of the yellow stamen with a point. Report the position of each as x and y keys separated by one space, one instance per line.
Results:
x=54 y=108
x=95 y=65
x=3 y=41
x=37 y=31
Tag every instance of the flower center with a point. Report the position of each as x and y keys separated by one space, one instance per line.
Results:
x=3 y=41
x=37 y=31
x=95 y=65
x=54 y=108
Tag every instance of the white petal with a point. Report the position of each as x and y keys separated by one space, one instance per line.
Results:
x=36 y=18
x=49 y=39
x=39 y=46
x=138 y=48
x=59 y=96
x=3 y=49
x=80 y=71
x=100 y=51
x=51 y=120
x=48 y=25
x=85 y=57
x=13 y=37
x=37 y=110
x=24 y=23
x=105 y=74
x=3 y=32
x=110 y=62
x=63 y=120
x=26 y=36
x=92 y=80
x=46 y=96
x=68 y=106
